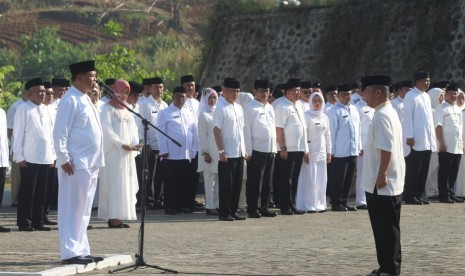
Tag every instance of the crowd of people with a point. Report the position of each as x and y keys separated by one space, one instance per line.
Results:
x=287 y=146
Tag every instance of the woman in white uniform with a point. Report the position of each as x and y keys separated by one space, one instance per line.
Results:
x=208 y=151
x=311 y=188
x=431 y=188
x=118 y=179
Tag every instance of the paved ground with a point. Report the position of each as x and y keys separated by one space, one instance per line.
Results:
x=433 y=243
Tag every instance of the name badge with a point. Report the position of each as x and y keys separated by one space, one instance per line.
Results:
x=345 y=116
x=175 y=116
x=317 y=124
x=155 y=111
x=366 y=111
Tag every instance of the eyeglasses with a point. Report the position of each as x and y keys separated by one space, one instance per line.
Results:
x=49 y=93
x=307 y=92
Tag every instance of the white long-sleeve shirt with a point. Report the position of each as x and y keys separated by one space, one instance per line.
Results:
x=3 y=141
x=259 y=128
x=229 y=118
x=366 y=115
x=33 y=134
x=290 y=118
x=418 y=121
x=318 y=136
x=10 y=119
x=77 y=133
x=193 y=105
x=449 y=117
x=149 y=109
x=180 y=124
x=398 y=104
x=344 y=122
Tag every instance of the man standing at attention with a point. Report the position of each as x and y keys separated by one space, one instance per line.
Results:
x=77 y=136
x=383 y=174
x=418 y=130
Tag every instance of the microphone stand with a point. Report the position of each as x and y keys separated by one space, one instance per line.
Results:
x=140 y=262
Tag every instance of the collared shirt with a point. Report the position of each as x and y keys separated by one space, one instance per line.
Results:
x=305 y=105
x=260 y=127
x=33 y=134
x=290 y=118
x=277 y=102
x=344 y=122
x=366 y=115
x=355 y=98
x=385 y=133
x=10 y=119
x=142 y=99
x=449 y=117
x=229 y=118
x=418 y=121
x=193 y=105
x=180 y=124
x=4 y=155
x=318 y=135
x=149 y=109
x=398 y=104
x=77 y=133
x=328 y=107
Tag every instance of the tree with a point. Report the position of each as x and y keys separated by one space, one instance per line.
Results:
x=8 y=97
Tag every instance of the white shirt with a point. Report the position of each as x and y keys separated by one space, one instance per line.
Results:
x=418 y=121
x=193 y=105
x=398 y=104
x=4 y=155
x=149 y=109
x=181 y=125
x=344 y=122
x=355 y=98
x=229 y=118
x=318 y=135
x=244 y=99
x=77 y=133
x=290 y=118
x=366 y=115
x=33 y=134
x=305 y=105
x=385 y=133
x=10 y=119
x=260 y=127
x=328 y=107
x=277 y=102
x=449 y=117
x=142 y=99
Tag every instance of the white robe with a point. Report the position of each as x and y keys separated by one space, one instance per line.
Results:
x=118 y=179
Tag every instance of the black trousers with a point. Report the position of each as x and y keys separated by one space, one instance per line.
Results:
x=230 y=184
x=342 y=172
x=194 y=180
x=176 y=184
x=259 y=174
x=275 y=179
x=158 y=180
x=151 y=166
x=416 y=172
x=51 y=187
x=289 y=177
x=32 y=195
x=447 y=174
x=2 y=183
x=384 y=212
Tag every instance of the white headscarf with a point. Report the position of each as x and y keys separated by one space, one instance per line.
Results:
x=461 y=92
x=314 y=111
x=434 y=94
x=204 y=107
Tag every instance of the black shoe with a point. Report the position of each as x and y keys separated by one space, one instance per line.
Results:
x=42 y=228
x=413 y=201
x=90 y=227
x=237 y=217
x=77 y=260
x=350 y=208
x=25 y=229
x=338 y=208
x=446 y=200
x=255 y=214
x=456 y=199
x=211 y=212
x=299 y=212
x=287 y=212
x=49 y=222
x=433 y=197
x=4 y=230
x=198 y=208
x=266 y=213
x=171 y=212
x=96 y=259
x=362 y=207
x=94 y=209
x=311 y=212
x=226 y=218
x=187 y=210
x=425 y=202
x=198 y=204
x=322 y=211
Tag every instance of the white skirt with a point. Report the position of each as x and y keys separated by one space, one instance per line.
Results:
x=311 y=188
x=460 y=183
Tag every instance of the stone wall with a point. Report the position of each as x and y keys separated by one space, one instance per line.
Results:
x=342 y=43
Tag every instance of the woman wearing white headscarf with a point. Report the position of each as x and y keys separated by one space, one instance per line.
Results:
x=461 y=99
x=311 y=188
x=431 y=187
x=208 y=159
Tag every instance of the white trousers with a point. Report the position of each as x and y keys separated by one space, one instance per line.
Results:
x=311 y=188
x=360 y=197
x=460 y=182
x=75 y=197
x=210 y=182
x=431 y=186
